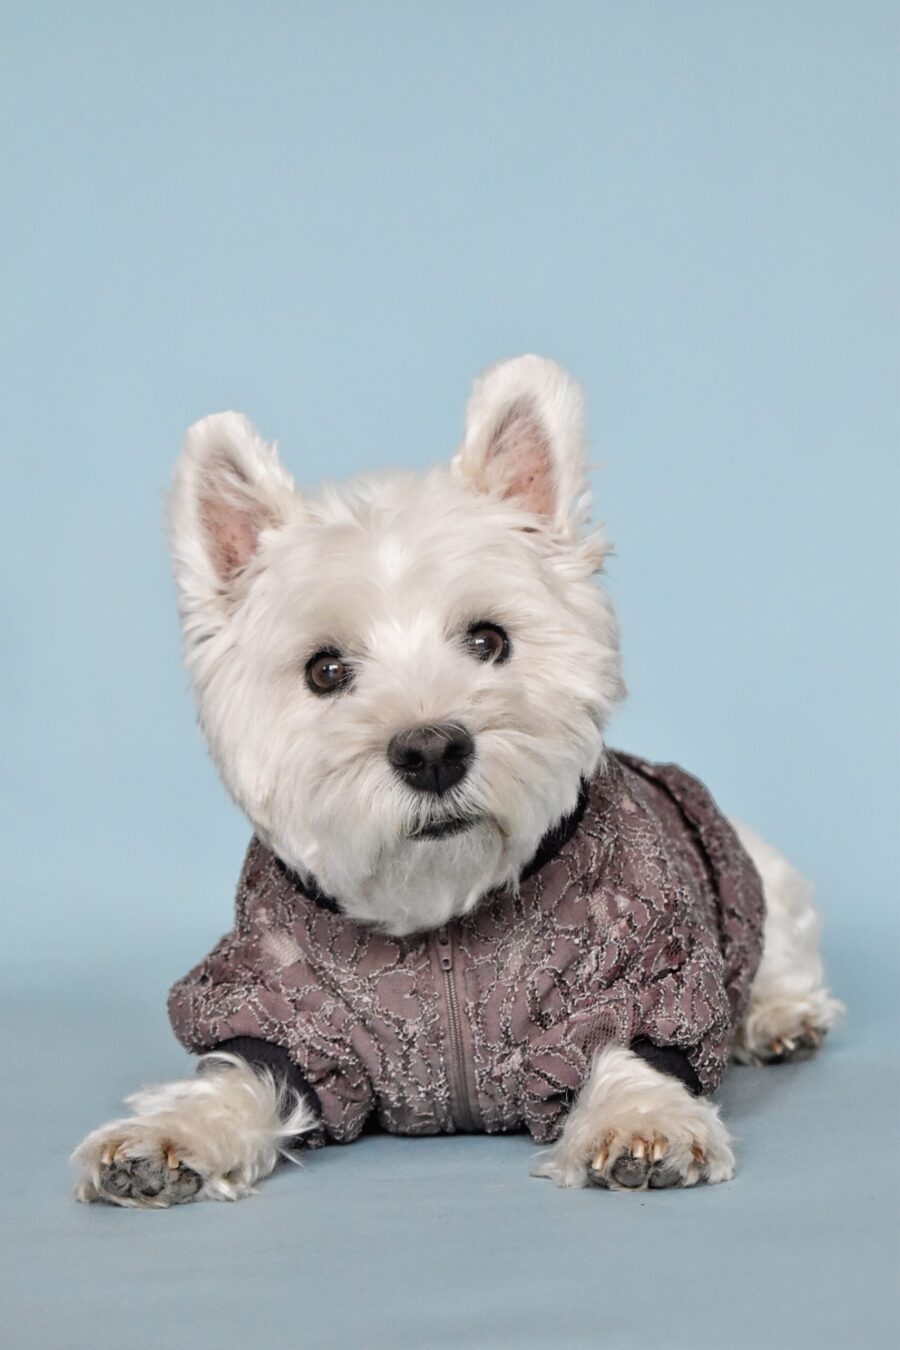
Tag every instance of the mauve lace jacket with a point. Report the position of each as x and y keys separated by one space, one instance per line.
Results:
x=644 y=926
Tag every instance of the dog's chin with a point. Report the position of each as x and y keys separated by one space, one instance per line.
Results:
x=431 y=875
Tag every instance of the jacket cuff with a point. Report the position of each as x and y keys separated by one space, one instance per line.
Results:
x=668 y=1059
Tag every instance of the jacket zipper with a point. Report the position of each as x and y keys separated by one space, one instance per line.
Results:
x=460 y=1100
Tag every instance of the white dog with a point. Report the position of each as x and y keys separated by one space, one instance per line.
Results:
x=460 y=910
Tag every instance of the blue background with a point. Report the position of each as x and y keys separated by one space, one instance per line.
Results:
x=331 y=216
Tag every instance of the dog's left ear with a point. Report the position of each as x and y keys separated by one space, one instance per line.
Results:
x=525 y=441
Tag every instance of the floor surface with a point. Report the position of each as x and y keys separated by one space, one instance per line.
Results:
x=448 y=1242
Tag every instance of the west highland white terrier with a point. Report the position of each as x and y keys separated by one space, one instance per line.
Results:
x=460 y=911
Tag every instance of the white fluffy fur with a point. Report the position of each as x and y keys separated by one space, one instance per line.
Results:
x=229 y=1125
x=789 y=1002
x=392 y=570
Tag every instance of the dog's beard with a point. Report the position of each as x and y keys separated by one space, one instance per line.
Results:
x=408 y=862
x=420 y=881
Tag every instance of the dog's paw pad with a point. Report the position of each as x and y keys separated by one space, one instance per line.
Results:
x=640 y=1164
x=134 y=1166
x=149 y=1179
x=630 y=1172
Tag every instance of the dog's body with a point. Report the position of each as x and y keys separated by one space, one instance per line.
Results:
x=405 y=684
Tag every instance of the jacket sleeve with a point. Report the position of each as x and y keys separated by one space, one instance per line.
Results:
x=669 y=994
x=235 y=993
x=681 y=1001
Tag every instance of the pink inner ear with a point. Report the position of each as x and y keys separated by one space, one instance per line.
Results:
x=522 y=461
x=231 y=532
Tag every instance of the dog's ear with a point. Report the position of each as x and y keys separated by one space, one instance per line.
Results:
x=525 y=441
x=228 y=487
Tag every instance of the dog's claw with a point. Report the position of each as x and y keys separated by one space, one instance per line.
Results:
x=600 y=1160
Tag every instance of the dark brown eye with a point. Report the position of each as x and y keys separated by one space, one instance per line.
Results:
x=327 y=672
x=488 y=642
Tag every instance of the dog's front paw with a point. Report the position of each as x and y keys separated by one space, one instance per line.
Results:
x=650 y=1152
x=636 y=1129
x=685 y=1146
x=206 y=1138
x=649 y=1161
x=135 y=1163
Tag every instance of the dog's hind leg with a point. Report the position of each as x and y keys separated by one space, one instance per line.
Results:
x=206 y=1138
x=791 y=1010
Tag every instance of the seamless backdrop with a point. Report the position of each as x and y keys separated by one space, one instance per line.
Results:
x=331 y=216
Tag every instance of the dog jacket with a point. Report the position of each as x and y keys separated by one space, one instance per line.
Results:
x=640 y=922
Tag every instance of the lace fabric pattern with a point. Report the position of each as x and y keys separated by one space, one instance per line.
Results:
x=647 y=923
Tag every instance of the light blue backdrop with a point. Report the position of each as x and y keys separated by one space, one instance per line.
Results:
x=331 y=216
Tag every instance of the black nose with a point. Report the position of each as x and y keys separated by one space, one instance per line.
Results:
x=431 y=759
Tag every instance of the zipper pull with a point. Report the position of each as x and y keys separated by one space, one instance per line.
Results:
x=444 y=951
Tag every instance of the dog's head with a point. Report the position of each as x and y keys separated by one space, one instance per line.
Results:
x=404 y=679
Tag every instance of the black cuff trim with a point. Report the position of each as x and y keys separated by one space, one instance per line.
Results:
x=667 y=1059
x=267 y=1055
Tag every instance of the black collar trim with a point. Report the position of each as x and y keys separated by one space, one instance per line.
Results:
x=308 y=888
x=553 y=842
x=556 y=838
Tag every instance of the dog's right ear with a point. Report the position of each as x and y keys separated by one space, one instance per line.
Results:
x=227 y=489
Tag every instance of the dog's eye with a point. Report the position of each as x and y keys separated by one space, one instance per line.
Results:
x=488 y=642
x=327 y=672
